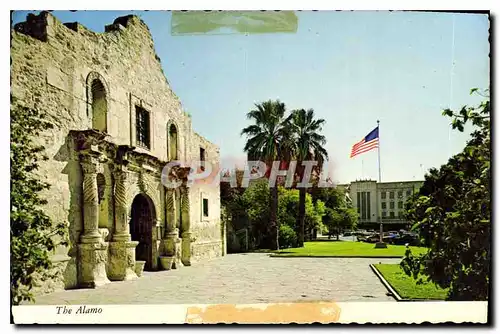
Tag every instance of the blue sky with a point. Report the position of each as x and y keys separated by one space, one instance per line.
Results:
x=352 y=68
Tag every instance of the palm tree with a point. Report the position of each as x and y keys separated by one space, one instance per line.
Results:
x=267 y=140
x=308 y=146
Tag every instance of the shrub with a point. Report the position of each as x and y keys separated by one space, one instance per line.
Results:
x=452 y=213
x=32 y=234
x=287 y=237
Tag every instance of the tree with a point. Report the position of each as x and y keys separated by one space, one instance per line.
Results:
x=256 y=201
x=33 y=235
x=287 y=215
x=233 y=210
x=332 y=197
x=288 y=208
x=332 y=222
x=340 y=219
x=452 y=213
x=314 y=218
x=350 y=218
x=231 y=199
x=339 y=213
x=308 y=146
x=227 y=192
x=268 y=140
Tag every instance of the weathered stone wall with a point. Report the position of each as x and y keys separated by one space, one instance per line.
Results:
x=209 y=240
x=53 y=65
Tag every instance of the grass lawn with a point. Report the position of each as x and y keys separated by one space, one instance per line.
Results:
x=406 y=286
x=345 y=249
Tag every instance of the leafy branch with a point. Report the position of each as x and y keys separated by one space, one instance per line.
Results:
x=33 y=235
x=452 y=213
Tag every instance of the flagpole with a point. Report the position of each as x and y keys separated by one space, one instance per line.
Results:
x=382 y=244
x=362 y=168
x=379 y=173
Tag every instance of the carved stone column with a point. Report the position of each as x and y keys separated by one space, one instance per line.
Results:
x=122 y=232
x=171 y=233
x=171 y=210
x=92 y=249
x=91 y=167
x=186 y=227
x=172 y=243
x=122 y=249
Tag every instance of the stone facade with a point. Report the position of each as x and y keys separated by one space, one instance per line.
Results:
x=117 y=124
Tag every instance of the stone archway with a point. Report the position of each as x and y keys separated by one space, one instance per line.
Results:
x=172 y=141
x=143 y=220
x=97 y=101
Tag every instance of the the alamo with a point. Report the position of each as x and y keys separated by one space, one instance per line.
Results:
x=117 y=124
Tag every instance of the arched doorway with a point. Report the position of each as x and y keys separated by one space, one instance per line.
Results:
x=141 y=228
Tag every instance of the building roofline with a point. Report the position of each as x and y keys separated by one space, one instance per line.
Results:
x=384 y=182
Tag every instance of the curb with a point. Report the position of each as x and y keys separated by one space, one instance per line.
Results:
x=339 y=256
x=386 y=284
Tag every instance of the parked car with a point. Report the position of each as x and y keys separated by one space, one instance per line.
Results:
x=359 y=233
x=375 y=237
x=411 y=239
x=390 y=237
x=361 y=237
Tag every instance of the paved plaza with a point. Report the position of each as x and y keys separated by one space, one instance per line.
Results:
x=241 y=279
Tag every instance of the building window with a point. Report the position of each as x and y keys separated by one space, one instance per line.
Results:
x=202 y=154
x=99 y=106
x=391 y=195
x=400 y=214
x=384 y=205
x=368 y=202
x=172 y=142
x=383 y=195
x=364 y=205
x=205 y=207
x=384 y=214
x=391 y=205
x=358 y=203
x=400 y=204
x=391 y=214
x=202 y=158
x=142 y=127
x=400 y=194
x=408 y=193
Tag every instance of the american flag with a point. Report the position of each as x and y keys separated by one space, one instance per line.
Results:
x=366 y=144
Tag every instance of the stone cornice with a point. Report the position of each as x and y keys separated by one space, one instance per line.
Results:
x=94 y=143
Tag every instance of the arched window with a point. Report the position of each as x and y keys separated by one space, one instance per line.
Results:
x=99 y=106
x=172 y=142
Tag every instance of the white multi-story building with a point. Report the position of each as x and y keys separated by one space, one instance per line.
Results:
x=388 y=197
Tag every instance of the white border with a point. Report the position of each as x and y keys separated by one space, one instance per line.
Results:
x=262 y=4
x=350 y=312
x=201 y=4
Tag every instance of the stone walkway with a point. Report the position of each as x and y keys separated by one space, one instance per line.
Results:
x=241 y=279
